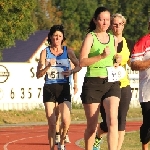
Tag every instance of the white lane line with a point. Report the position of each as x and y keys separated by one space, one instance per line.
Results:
x=6 y=145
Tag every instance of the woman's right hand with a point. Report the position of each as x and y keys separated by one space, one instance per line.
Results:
x=105 y=52
x=51 y=62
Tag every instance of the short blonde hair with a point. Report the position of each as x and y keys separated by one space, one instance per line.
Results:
x=118 y=16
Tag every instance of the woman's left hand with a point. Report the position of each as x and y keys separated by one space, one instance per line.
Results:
x=118 y=58
x=116 y=65
x=67 y=73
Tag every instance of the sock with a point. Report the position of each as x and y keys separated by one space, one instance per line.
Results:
x=61 y=146
x=99 y=138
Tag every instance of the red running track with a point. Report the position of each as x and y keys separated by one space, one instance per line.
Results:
x=35 y=137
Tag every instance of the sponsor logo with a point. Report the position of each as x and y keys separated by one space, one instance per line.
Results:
x=4 y=74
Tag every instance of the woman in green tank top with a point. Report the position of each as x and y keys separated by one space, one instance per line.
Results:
x=124 y=48
x=98 y=52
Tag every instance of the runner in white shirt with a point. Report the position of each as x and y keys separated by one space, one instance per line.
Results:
x=141 y=62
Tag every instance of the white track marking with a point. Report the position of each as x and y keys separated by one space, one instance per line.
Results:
x=6 y=145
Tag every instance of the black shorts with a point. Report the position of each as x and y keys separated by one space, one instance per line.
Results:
x=56 y=92
x=94 y=88
x=145 y=128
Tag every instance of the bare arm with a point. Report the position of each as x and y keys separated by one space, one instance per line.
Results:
x=75 y=83
x=75 y=87
x=41 y=69
x=74 y=60
x=85 y=49
x=129 y=62
x=140 y=65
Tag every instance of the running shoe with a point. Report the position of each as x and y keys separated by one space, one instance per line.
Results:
x=57 y=139
x=67 y=140
x=97 y=142
x=61 y=148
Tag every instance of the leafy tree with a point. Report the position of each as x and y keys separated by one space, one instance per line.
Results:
x=112 y=5
x=76 y=16
x=46 y=14
x=16 y=21
x=136 y=13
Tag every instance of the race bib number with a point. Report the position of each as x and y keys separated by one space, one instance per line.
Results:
x=115 y=74
x=56 y=73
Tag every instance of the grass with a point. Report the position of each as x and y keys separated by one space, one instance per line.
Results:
x=38 y=115
x=131 y=142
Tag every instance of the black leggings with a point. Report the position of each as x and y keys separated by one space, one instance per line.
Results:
x=122 y=110
x=145 y=128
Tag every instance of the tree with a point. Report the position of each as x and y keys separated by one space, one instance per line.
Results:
x=16 y=21
x=136 y=13
x=75 y=17
x=46 y=14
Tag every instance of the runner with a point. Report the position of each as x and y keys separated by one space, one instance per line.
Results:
x=98 y=53
x=54 y=64
x=73 y=91
x=141 y=62
x=124 y=48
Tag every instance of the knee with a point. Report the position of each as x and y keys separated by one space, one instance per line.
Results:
x=113 y=122
x=51 y=122
x=57 y=114
x=65 y=122
x=91 y=128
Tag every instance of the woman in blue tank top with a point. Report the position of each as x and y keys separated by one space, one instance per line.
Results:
x=54 y=64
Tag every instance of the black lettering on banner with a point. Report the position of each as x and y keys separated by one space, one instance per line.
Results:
x=39 y=93
x=119 y=74
x=113 y=74
x=31 y=70
x=22 y=92
x=137 y=90
x=12 y=94
x=53 y=74
x=132 y=89
x=57 y=74
x=30 y=94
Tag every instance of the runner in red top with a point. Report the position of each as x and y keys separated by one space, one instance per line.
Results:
x=141 y=62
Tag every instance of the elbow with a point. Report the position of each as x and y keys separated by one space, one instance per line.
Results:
x=37 y=76
x=133 y=67
x=81 y=64
x=77 y=68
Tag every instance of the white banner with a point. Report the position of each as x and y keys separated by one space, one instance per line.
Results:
x=20 y=89
x=18 y=83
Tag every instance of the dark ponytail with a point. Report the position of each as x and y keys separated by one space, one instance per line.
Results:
x=92 y=25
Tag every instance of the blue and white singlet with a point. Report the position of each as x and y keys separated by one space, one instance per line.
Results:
x=54 y=73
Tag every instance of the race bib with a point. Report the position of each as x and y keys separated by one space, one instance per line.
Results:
x=56 y=72
x=115 y=74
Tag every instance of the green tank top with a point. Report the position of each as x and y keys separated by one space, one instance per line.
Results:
x=99 y=68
